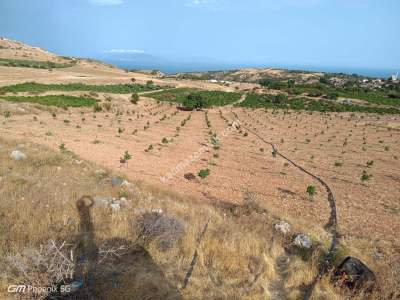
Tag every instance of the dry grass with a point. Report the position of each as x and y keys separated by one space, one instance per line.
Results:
x=240 y=256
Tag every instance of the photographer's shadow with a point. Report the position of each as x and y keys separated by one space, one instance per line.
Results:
x=130 y=275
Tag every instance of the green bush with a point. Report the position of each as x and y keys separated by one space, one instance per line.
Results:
x=134 y=98
x=204 y=173
x=194 y=101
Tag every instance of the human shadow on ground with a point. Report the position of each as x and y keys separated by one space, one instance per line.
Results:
x=130 y=274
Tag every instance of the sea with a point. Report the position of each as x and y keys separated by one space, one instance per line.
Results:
x=173 y=68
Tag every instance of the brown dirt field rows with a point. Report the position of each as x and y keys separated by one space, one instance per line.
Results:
x=243 y=167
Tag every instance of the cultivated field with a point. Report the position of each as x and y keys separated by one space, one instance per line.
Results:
x=211 y=166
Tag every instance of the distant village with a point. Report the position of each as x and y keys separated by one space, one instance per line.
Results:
x=369 y=83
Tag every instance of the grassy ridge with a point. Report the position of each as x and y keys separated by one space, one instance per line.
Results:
x=33 y=64
x=384 y=96
x=54 y=100
x=111 y=88
x=301 y=103
x=211 y=98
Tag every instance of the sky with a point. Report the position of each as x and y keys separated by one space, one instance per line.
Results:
x=331 y=34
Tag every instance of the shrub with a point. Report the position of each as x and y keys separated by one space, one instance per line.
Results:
x=203 y=173
x=193 y=101
x=107 y=106
x=338 y=163
x=311 y=190
x=135 y=98
x=125 y=158
x=162 y=229
x=365 y=176
x=97 y=108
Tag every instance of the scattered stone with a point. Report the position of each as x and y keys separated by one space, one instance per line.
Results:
x=115 y=181
x=303 y=241
x=126 y=183
x=18 y=155
x=157 y=211
x=100 y=172
x=102 y=201
x=115 y=206
x=354 y=274
x=190 y=176
x=123 y=201
x=283 y=227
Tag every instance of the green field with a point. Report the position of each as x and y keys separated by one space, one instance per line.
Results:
x=301 y=103
x=33 y=64
x=211 y=98
x=71 y=87
x=53 y=100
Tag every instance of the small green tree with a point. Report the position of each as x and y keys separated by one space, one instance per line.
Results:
x=194 y=101
x=134 y=98
x=311 y=191
x=7 y=114
x=125 y=158
x=62 y=147
x=204 y=173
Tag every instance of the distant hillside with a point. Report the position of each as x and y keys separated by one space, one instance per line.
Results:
x=17 y=54
x=10 y=49
x=254 y=75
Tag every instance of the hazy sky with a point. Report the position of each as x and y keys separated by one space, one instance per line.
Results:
x=344 y=33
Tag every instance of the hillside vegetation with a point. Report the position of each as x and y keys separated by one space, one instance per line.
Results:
x=210 y=98
x=53 y=100
x=33 y=64
x=281 y=101
x=70 y=87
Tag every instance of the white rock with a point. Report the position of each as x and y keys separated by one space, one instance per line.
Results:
x=303 y=241
x=115 y=206
x=102 y=201
x=123 y=201
x=157 y=211
x=283 y=227
x=126 y=183
x=18 y=155
x=100 y=172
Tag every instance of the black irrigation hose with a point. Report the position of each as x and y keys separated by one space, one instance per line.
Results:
x=331 y=226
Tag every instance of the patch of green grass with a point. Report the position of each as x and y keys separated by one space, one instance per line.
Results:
x=33 y=64
x=210 y=98
x=70 y=87
x=53 y=100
